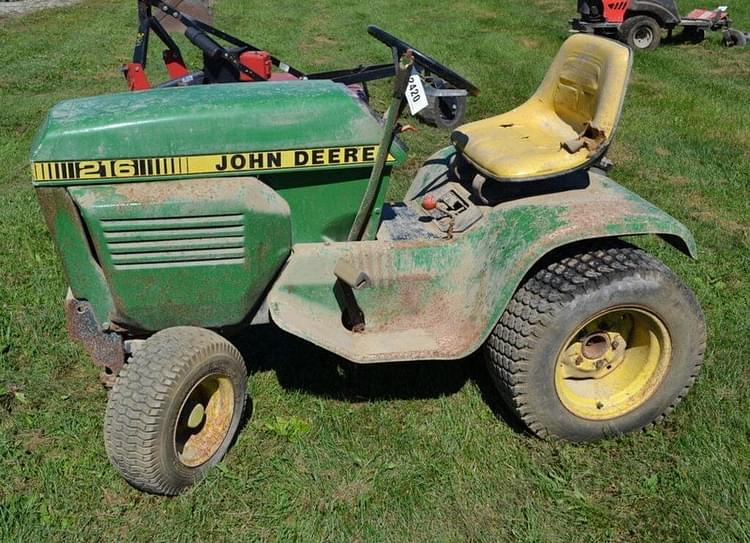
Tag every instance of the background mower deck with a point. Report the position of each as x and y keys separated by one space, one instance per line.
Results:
x=640 y=23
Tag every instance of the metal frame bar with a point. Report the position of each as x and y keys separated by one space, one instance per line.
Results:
x=148 y=22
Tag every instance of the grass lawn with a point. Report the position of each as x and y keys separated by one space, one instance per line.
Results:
x=420 y=452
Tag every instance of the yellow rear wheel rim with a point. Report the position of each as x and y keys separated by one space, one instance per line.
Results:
x=204 y=420
x=613 y=364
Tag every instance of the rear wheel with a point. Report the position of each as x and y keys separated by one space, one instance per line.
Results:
x=174 y=409
x=734 y=38
x=641 y=32
x=601 y=340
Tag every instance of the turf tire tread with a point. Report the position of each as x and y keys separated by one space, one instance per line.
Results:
x=556 y=281
x=142 y=389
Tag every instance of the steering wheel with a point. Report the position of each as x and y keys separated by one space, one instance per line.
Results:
x=426 y=62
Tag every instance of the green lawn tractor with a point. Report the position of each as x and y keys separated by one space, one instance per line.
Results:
x=185 y=215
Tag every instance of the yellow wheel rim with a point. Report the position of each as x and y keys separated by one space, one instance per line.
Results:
x=204 y=420
x=613 y=364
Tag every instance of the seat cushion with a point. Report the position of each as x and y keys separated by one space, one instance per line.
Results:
x=520 y=145
x=566 y=125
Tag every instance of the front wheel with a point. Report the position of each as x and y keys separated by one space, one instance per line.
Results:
x=734 y=38
x=174 y=409
x=641 y=32
x=600 y=341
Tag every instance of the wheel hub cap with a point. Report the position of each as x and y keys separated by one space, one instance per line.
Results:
x=613 y=363
x=643 y=37
x=594 y=355
x=204 y=420
x=196 y=416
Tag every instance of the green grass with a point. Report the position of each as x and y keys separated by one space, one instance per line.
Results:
x=418 y=452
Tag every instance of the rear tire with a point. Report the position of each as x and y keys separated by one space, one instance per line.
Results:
x=641 y=32
x=174 y=409
x=568 y=373
x=734 y=38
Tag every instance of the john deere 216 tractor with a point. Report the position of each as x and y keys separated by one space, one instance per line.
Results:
x=184 y=215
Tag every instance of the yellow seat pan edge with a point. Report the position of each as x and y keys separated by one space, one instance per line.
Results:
x=526 y=143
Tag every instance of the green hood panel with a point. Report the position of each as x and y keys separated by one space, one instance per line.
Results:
x=187 y=252
x=208 y=119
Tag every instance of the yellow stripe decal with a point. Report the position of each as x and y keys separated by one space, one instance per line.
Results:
x=256 y=161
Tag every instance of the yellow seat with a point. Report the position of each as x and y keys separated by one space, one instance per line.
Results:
x=565 y=126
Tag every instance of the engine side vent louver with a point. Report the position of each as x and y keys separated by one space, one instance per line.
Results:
x=169 y=242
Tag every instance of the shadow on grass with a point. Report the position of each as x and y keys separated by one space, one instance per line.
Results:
x=302 y=366
x=683 y=38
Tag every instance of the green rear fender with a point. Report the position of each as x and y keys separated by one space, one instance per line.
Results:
x=440 y=299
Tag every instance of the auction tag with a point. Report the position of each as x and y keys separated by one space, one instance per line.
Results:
x=415 y=94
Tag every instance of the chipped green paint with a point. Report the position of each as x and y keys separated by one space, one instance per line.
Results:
x=205 y=120
x=204 y=250
x=439 y=299
x=84 y=276
x=319 y=203
x=222 y=119
x=183 y=252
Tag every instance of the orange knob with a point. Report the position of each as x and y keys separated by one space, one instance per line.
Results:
x=429 y=203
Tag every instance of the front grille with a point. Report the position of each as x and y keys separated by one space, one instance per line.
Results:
x=168 y=242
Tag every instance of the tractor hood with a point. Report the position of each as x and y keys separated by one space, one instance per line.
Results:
x=206 y=130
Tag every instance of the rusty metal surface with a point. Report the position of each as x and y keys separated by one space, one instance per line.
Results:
x=105 y=348
x=439 y=299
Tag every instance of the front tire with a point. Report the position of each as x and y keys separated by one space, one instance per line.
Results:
x=602 y=340
x=174 y=409
x=641 y=32
x=734 y=38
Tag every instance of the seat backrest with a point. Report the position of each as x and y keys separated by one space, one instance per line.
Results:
x=587 y=82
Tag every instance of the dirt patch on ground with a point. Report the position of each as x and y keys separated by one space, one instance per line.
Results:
x=726 y=224
x=679 y=180
x=21 y=7
x=197 y=8
x=530 y=43
x=703 y=210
